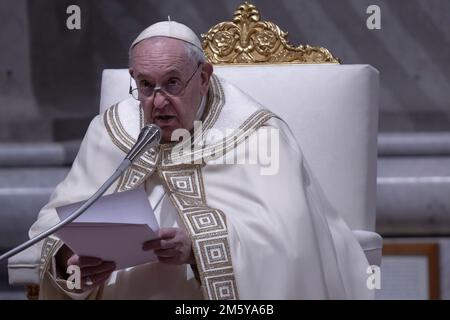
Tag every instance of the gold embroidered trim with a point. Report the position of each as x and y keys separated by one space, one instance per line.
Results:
x=133 y=177
x=122 y=138
x=214 y=103
x=207 y=229
x=242 y=133
x=140 y=169
x=228 y=143
x=49 y=248
x=206 y=226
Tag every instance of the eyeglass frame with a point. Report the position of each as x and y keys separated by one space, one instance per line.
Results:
x=161 y=88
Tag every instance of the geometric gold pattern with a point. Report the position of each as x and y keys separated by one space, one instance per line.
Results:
x=206 y=226
x=247 y=39
x=207 y=229
x=205 y=220
x=131 y=178
x=216 y=252
x=221 y=287
x=49 y=247
x=184 y=182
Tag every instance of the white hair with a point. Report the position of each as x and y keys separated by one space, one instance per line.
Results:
x=194 y=54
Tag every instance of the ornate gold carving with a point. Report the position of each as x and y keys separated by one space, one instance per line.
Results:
x=249 y=40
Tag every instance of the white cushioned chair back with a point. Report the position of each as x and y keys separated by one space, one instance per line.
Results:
x=332 y=111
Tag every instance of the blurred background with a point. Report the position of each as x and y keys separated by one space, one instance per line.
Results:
x=50 y=88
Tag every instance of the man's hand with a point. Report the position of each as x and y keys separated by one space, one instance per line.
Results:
x=173 y=246
x=94 y=271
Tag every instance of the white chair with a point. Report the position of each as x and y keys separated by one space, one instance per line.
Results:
x=332 y=110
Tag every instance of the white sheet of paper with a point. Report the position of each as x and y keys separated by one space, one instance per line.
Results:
x=113 y=228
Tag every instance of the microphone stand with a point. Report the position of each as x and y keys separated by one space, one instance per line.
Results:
x=119 y=171
x=149 y=135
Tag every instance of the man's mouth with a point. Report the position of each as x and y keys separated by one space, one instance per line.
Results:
x=165 y=120
x=164 y=117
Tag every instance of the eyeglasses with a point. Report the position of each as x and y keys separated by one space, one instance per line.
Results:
x=174 y=87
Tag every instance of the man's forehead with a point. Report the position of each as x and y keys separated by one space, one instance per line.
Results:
x=163 y=71
x=168 y=55
x=160 y=45
x=161 y=57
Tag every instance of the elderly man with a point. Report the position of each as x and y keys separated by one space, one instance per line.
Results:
x=227 y=230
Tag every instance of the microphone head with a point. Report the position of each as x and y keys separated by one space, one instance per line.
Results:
x=149 y=137
x=150 y=131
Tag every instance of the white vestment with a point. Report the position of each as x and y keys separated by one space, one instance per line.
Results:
x=254 y=236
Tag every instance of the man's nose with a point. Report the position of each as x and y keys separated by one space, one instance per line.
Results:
x=159 y=99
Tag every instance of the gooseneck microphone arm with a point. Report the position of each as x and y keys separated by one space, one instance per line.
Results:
x=150 y=136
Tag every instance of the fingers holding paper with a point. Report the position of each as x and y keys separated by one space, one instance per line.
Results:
x=94 y=271
x=172 y=247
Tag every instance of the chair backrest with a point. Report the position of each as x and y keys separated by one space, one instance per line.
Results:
x=332 y=109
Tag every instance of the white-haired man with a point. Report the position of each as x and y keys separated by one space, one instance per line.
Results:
x=227 y=231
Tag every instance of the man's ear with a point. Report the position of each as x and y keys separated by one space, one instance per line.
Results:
x=207 y=70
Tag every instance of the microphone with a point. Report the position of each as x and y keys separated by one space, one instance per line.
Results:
x=149 y=137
